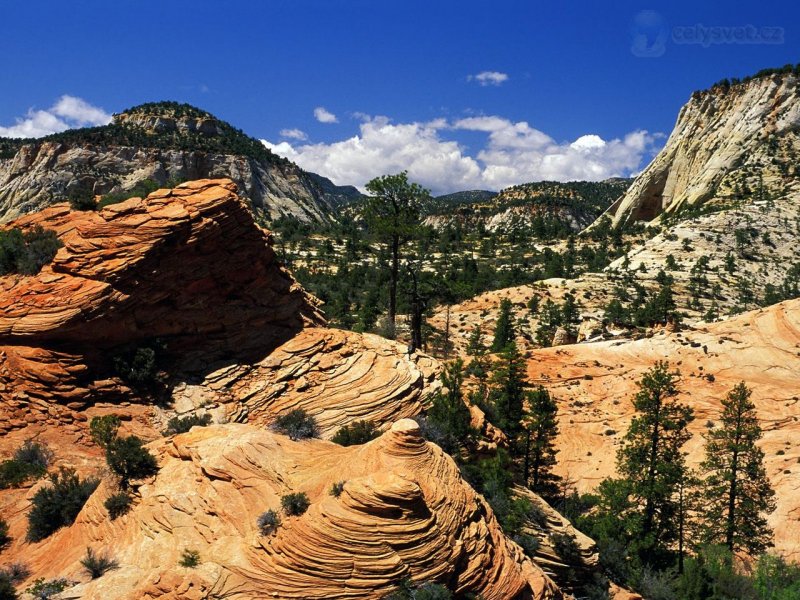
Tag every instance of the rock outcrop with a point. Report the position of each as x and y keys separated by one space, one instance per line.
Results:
x=336 y=376
x=727 y=140
x=160 y=142
x=188 y=267
x=403 y=512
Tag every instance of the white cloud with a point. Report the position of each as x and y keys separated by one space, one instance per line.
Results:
x=67 y=113
x=324 y=116
x=295 y=134
x=513 y=153
x=485 y=78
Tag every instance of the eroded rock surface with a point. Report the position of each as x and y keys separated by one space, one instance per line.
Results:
x=403 y=512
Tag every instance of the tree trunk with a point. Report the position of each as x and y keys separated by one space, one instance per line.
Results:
x=730 y=526
x=393 y=284
x=527 y=454
x=649 y=508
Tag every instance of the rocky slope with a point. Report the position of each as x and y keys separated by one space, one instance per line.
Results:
x=574 y=205
x=403 y=512
x=595 y=384
x=730 y=142
x=161 y=142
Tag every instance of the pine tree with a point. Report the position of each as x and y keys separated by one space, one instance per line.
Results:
x=652 y=463
x=736 y=490
x=478 y=366
x=504 y=333
x=541 y=429
x=549 y=319
x=392 y=214
x=508 y=391
x=448 y=413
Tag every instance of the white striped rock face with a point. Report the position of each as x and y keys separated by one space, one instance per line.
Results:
x=723 y=138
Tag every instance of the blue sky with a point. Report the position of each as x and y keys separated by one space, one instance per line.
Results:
x=462 y=94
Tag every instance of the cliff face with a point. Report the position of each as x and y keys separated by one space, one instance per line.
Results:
x=156 y=144
x=728 y=143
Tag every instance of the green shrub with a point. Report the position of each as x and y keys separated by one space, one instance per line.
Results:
x=26 y=253
x=5 y=539
x=45 y=589
x=189 y=559
x=268 y=522
x=295 y=504
x=140 y=190
x=97 y=566
x=7 y=591
x=336 y=489
x=104 y=429
x=16 y=572
x=82 y=198
x=29 y=461
x=424 y=591
x=118 y=504
x=358 y=432
x=183 y=424
x=138 y=367
x=129 y=459
x=297 y=424
x=530 y=544
x=58 y=504
x=566 y=546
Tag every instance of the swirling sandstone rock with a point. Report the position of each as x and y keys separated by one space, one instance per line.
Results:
x=336 y=376
x=187 y=265
x=403 y=512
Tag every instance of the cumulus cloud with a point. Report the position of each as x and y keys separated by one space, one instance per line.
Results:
x=513 y=153
x=67 y=113
x=485 y=78
x=295 y=134
x=324 y=116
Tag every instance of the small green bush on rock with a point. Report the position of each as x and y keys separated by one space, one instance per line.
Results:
x=189 y=559
x=129 y=459
x=58 y=504
x=178 y=425
x=118 y=504
x=43 y=589
x=104 y=429
x=358 y=432
x=97 y=566
x=297 y=424
x=295 y=504
x=5 y=539
x=268 y=522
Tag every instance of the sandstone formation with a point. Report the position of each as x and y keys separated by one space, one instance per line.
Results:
x=188 y=267
x=336 y=376
x=594 y=385
x=403 y=512
x=132 y=149
x=726 y=139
